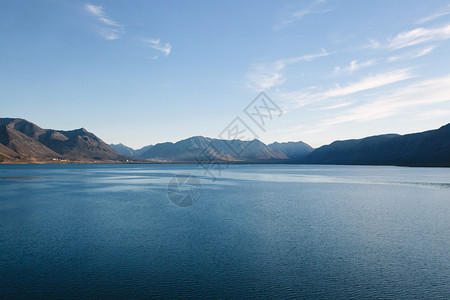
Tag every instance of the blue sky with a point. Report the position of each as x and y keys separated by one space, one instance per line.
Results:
x=143 y=72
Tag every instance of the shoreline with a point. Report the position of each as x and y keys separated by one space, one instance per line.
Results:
x=201 y=163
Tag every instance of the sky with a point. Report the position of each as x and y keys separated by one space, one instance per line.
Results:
x=142 y=72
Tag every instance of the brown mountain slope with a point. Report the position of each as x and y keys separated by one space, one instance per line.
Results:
x=81 y=144
x=31 y=142
x=24 y=145
x=7 y=154
x=23 y=126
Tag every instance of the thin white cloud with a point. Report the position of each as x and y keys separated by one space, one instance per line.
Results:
x=308 y=57
x=372 y=44
x=355 y=66
x=442 y=12
x=298 y=99
x=370 y=82
x=419 y=36
x=425 y=51
x=157 y=45
x=412 y=55
x=112 y=30
x=298 y=15
x=423 y=93
x=336 y=106
x=267 y=75
x=433 y=114
x=109 y=29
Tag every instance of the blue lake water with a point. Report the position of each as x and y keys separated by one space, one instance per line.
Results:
x=266 y=231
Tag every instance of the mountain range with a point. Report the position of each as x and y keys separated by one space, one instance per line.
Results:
x=203 y=149
x=208 y=149
x=23 y=141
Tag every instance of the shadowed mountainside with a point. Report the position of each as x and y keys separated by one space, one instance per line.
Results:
x=429 y=148
x=207 y=149
x=293 y=150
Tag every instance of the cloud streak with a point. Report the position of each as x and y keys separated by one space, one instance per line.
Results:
x=109 y=29
x=298 y=15
x=355 y=66
x=370 y=82
x=265 y=76
x=442 y=12
x=419 y=36
x=421 y=52
x=298 y=99
x=157 y=45
x=426 y=92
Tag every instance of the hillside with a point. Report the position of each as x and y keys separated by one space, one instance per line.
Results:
x=21 y=140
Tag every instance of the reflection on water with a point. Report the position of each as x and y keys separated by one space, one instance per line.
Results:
x=22 y=177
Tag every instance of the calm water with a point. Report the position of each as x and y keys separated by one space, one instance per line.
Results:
x=264 y=231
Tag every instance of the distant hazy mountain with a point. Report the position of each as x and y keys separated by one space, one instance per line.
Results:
x=207 y=149
x=23 y=140
x=429 y=148
x=124 y=150
x=142 y=150
x=292 y=150
x=130 y=152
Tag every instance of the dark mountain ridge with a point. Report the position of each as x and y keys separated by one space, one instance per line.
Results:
x=429 y=148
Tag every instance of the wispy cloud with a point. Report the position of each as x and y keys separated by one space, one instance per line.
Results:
x=423 y=93
x=308 y=57
x=370 y=82
x=298 y=15
x=157 y=45
x=109 y=29
x=354 y=66
x=372 y=44
x=433 y=114
x=267 y=75
x=419 y=36
x=412 y=55
x=297 y=99
x=411 y=38
x=336 y=106
x=442 y=12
